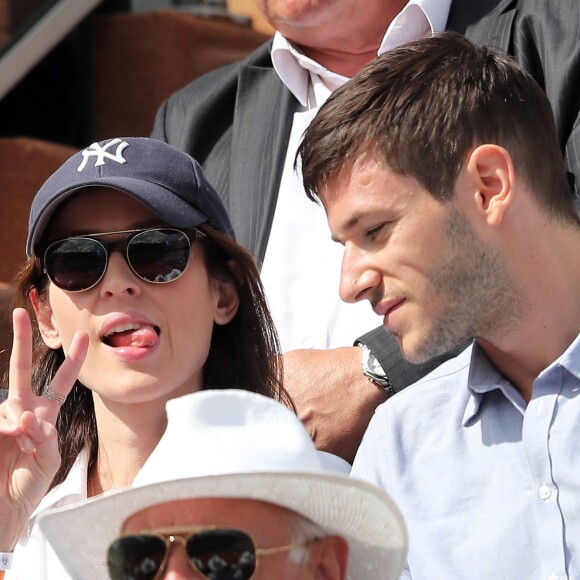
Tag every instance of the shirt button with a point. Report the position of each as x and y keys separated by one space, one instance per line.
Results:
x=544 y=492
x=553 y=577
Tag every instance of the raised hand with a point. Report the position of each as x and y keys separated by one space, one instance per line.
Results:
x=29 y=456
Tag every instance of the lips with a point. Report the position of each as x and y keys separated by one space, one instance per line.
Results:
x=387 y=308
x=130 y=333
x=384 y=307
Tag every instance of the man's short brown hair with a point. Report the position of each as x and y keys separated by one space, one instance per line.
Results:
x=424 y=106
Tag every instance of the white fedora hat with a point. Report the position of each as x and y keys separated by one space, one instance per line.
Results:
x=236 y=444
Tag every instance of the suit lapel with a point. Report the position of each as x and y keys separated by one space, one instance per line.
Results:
x=485 y=22
x=262 y=124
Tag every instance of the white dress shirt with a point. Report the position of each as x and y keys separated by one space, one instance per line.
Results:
x=301 y=269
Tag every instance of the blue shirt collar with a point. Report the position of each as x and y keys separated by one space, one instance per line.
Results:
x=484 y=377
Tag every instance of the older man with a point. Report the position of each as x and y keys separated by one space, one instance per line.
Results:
x=439 y=169
x=244 y=122
x=234 y=490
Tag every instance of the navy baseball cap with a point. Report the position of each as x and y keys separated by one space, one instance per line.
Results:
x=166 y=180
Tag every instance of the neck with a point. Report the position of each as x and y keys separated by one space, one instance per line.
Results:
x=548 y=276
x=127 y=436
x=338 y=61
x=342 y=40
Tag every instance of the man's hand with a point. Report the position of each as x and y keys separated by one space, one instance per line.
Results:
x=332 y=396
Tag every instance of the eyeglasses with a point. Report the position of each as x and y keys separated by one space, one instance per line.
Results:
x=215 y=553
x=157 y=255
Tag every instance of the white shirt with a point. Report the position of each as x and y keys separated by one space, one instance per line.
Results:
x=34 y=559
x=301 y=269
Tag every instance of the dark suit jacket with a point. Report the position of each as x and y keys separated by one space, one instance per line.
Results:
x=236 y=121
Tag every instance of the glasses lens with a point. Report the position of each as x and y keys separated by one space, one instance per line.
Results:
x=76 y=263
x=222 y=554
x=135 y=557
x=159 y=255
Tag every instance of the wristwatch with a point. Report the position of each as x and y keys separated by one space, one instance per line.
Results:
x=373 y=370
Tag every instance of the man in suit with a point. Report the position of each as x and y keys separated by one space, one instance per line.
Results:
x=439 y=169
x=244 y=122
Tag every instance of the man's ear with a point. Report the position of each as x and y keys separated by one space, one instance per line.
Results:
x=228 y=299
x=43 y=311
x=329 y=558
x=490 y=168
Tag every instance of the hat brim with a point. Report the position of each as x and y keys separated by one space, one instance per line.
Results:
x=174 y=210
x=361 y=513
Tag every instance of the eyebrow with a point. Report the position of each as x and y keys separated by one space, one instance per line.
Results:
x=352 y=223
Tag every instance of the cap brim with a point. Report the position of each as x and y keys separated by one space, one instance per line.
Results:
x=361 y=513
x=174 y=210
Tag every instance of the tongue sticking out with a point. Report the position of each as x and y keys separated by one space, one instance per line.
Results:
x=142 y=337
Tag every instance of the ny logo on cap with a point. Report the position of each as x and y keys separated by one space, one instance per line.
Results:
x=95 y=150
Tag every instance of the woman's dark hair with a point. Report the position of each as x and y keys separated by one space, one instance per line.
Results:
x=243 y=354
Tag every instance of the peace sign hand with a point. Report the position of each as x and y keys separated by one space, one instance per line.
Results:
x=29 y=456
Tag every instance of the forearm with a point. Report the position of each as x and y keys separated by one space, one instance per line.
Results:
x=332 y=396
x=11 y=530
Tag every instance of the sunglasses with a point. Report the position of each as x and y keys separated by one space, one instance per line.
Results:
x=215 y=553
x=158 y=255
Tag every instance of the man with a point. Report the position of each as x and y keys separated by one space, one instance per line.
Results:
x=439 y=169
x=234 y=490
x=244 y=123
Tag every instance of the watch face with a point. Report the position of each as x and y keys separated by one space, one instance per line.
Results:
x=373 y=370
x=375 y=365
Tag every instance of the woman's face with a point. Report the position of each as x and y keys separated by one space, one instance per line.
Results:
x=147 y=341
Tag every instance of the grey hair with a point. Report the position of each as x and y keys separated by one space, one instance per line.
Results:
x=303 y=530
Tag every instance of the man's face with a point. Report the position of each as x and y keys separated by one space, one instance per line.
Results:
x=269 y=526
x=299 y=12
x=317 y=22
x=415 y=258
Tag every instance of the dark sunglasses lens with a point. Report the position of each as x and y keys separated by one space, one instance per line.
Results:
x=75 y=264
x=159 y=255
x=135 y=557
x=222 y=554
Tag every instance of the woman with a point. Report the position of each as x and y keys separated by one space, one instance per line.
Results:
x=140 y=294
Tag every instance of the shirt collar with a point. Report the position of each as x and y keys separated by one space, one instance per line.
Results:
x=568 y=360
x=418 y=18
x=484 y=377
x=295 y=70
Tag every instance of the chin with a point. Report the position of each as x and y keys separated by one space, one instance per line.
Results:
x=130 y=391
x=420 y=351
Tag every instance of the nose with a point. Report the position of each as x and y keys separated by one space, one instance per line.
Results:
x=359 y=278
x=178 y=567
x=119 y=279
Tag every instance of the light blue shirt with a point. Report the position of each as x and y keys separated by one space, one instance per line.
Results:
x=489 y=487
